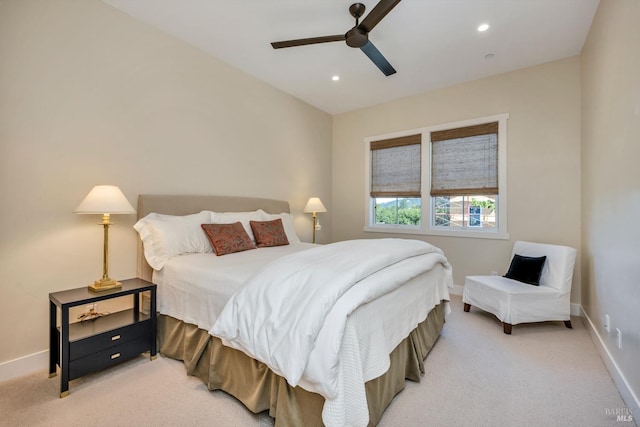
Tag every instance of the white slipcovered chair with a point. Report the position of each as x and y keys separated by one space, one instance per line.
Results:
x=515 y=302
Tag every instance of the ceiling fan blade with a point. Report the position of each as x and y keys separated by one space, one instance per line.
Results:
x=374 y=55
x=312 y=40
x=377 y=13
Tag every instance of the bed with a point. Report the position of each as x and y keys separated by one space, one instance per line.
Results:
x=381 y=341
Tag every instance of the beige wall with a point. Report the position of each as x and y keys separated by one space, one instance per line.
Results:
x=543 y=159
x=611 y=182
x=90 y=96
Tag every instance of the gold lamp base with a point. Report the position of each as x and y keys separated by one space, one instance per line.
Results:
x=104 y=285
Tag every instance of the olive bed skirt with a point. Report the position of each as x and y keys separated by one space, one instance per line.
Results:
x=259 y=389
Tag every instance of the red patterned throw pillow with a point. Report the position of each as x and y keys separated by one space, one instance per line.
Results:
x=228 y=238
x=269 y=233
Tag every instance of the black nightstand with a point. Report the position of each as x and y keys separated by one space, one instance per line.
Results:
x=83 y=347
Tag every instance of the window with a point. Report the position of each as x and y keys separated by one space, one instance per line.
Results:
x=463 y=167
x=396 y=180
x=459 y=212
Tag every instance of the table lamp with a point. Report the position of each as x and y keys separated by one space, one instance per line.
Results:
x=314 y=205
x=105 y=200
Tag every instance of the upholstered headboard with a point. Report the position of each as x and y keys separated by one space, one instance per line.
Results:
x=186 y=204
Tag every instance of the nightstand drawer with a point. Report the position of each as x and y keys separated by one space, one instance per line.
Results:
x=109 y=357
x=80 y=347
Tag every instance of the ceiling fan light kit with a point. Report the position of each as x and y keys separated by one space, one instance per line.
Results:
x=358 y=36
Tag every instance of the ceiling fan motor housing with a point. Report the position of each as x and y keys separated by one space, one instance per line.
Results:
x=356 y=37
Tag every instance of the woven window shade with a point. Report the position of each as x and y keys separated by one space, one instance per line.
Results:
x=396 y=167
x=464 y=161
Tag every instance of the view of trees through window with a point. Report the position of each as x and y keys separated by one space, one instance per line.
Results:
x=399 y=211
x=449 y=211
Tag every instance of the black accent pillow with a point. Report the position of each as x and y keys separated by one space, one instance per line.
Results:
x=526 y=269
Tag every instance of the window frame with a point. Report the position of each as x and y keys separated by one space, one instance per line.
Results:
x=426 y=227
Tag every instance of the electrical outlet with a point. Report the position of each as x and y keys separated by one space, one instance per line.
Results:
x=619 y=335
x=606 y=322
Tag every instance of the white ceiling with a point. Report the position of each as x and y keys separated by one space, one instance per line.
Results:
x=431 y=43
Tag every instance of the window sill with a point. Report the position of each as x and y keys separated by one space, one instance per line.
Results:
x=418 y=231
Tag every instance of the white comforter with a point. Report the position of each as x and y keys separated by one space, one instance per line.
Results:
x=277 y=315
x=195 y=287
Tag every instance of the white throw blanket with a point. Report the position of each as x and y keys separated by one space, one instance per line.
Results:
x=277 y=314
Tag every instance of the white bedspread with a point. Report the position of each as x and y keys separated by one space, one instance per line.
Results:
x=194 y=288
x=278 y=313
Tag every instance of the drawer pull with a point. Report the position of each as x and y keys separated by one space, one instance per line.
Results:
x=115 y=356
x=115 y=337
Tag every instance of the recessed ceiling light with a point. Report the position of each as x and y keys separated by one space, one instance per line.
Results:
x=335 y=78
x=483 y=27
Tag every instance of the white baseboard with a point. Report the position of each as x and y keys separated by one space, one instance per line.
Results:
x=24 y=365
x=625 y=390
x=575 y=309
x=456 y=290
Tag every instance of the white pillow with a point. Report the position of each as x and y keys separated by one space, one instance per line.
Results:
x=287 y=223
x=166 y=236
x=242 y=217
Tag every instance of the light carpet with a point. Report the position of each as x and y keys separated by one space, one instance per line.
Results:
x=541 y=375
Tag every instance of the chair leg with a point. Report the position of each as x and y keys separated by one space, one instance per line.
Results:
x=506 y=328
x=467 y=307
x=567 y=323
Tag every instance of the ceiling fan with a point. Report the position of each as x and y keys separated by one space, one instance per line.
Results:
x=358 y=36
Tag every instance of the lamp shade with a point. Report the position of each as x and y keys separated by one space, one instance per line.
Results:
x=105 y=199
x=315 y=205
